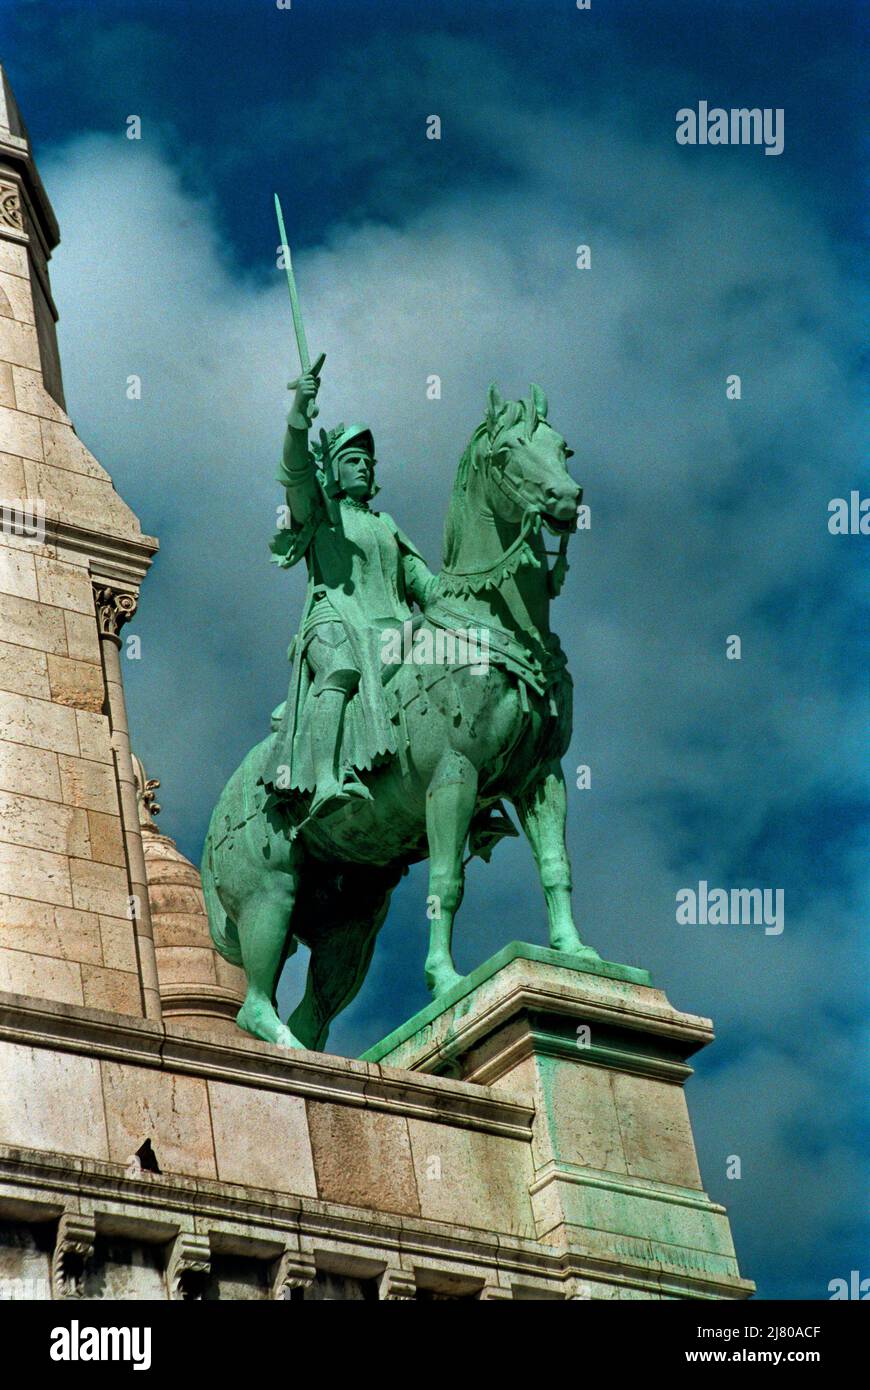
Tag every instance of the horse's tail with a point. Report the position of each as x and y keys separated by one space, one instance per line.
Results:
x=224 y=932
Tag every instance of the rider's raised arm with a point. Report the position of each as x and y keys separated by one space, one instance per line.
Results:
x=297 y=463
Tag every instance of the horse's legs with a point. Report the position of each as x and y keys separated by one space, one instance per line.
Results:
x=339 y=964
x=264 y=924
x=450 y=802
x=542 y=812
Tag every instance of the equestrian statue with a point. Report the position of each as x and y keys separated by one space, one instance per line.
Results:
x=403 y=733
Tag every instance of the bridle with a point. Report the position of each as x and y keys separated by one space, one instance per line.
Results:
x=519 y=552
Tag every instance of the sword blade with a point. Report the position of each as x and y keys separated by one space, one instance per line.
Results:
x=298 y=326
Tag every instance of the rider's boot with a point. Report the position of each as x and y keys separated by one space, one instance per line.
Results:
x=335 y=786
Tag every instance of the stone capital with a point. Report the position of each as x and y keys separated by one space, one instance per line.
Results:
x=10 y=205
x=188 y=1265
x=115 y=607
x=396 y=1283
x=294 y=1269
x=74 y=1246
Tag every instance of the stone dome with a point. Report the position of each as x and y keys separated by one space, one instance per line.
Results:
x=197 y=986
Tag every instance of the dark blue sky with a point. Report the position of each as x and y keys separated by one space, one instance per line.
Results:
x=457 y=257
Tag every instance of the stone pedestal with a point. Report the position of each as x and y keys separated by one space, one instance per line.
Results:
x=601 y=1056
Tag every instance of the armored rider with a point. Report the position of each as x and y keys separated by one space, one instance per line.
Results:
x=363 y=573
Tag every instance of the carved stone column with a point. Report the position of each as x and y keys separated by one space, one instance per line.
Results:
x=116 y=606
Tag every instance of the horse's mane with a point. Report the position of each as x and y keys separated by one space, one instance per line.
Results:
x=480 y=446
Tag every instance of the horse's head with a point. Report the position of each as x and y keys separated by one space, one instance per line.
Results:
x=527 y=458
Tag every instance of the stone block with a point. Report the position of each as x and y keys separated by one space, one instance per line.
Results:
x=42 y=929
x=64 y=585
x=20 y=434
x=13 y=258
x=231 y=977
x=26 y=820
x=100 y=888
x=119 y=943
x=472 y=1179
x=170 y=1110
x=17 y=571
x=82 y=636
x=30 y=624
x=261 y=1139
x=19 y=344
x=40 y=977
x=577 y=1114
x=12 y=480
x=185 y=964
x=18 y=297
x=83 y=499
x=24 y=671
x=94 y=736
x=51 y=1100
x=7 y=385
x=88 y=784
x=107 y=843
x=38 y=723
x=35 y=873
x=656 y=1133
x=116 y=991
x=31 y=395
x=362 y=1158
x=176 y=929
x=33 y=771
x=64 y=450
x=76 y=683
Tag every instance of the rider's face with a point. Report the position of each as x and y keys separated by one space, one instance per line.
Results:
x=355 y=475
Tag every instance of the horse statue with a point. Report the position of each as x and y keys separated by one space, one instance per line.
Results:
x=479 y=720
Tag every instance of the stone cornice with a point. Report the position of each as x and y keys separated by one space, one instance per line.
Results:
x=535 y=983
x=113 y=558
x=155 y=1207
x=16 y=150
x=318 y=1076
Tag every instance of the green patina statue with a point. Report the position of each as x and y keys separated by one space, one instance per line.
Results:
x=401 y=733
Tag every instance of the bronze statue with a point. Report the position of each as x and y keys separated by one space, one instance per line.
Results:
x=375 y=762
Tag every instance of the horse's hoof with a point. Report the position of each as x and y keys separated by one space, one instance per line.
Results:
x=443 y=983
x=268 y=1030
x=576 y=949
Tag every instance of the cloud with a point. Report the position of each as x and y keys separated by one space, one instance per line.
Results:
x=709 y=518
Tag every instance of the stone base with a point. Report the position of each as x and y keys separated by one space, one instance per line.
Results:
x=477 y=1153
x=600 y=1056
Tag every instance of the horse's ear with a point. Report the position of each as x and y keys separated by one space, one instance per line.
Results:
x=539 y=400
x=495 y=404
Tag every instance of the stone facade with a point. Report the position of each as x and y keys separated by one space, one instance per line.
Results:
x=151 y=1150
x=73 y=905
